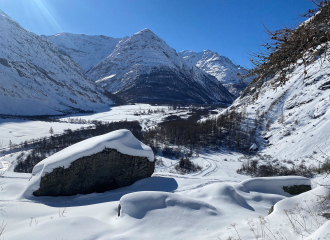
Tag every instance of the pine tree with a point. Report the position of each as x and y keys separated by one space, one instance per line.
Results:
x=51 y=131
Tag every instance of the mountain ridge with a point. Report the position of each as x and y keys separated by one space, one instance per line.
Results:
x=146 y=60
x=38 y=78
x=221 y=67
x=86 y=50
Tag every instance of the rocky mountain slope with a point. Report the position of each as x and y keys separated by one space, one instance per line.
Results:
x=220 y=67
x=86 y=50
x=295 y=119
x=143 y=68
x=38 y=78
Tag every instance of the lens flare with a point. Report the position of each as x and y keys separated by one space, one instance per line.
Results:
x=46 y=15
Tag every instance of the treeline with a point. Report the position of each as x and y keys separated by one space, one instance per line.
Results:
x=32 y=143
x=47 y=146
x=174 y=138
x=227 y=130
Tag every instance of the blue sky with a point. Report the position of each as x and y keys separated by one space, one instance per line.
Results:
x=229 y=27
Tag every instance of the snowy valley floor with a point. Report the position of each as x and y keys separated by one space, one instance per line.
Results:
x=214 y=203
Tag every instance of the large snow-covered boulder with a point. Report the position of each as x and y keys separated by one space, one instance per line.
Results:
x=98 y=164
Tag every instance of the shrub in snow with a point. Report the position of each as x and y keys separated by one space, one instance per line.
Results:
x=186 y=166
x=98 y=164
x=297 y=189
x=254 y=168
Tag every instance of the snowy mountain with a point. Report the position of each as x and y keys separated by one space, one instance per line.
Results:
x=143 y=68
x=86 y=50
x=220 y=67
x=38 y=78
x=296 y=116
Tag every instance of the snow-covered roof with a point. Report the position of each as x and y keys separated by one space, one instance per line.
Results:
x=122 y=140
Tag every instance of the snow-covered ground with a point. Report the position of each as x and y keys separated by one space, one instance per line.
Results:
x=17 y=130
x=209 y=204
x=213 y=203
x=297 y=114
x=205 y=205
x=135 y=112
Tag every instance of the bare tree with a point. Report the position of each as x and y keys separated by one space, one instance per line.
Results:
x=307 y=42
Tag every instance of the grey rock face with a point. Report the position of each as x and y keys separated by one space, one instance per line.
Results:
x=99 y=172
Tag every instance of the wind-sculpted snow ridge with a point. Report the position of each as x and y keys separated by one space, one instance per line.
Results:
x=121 y=140
x=274 y=184
x=143 y=68
x=86 y=50
x=220 y=67
x=138 y=204
x=38 y=78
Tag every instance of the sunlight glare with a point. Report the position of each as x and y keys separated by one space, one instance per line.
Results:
x=43 y=11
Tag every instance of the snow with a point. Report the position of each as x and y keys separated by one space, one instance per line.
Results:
x=37 y=78
x=137 y=205
x=134 y=112
x=201 y=205
x=274 y=184
x=218 y=66
x=145 y=53
x=18 y=130
x=121 y=140
x=214 y=203
x=156 y=207
x=322 y=233
x=254 y=147
x=304 y=132
x=135 y=56
x=3 y=14
x=86 y=50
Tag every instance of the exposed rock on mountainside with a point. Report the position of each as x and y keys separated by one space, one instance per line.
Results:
x=38 y=78
x=143 y=68
x=220 y=67
x=98 y=164
x=86 y=50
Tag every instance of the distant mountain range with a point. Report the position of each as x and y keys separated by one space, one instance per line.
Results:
x=38 y=78
x=68 y=72
x=142 y=68
x=86 y=50
x=220 y=67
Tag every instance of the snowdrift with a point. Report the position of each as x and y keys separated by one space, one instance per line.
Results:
x=137 y=205
x=274 y=185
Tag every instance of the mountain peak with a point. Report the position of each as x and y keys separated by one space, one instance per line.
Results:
x=218 y=66
x=146 y=33
x=208 y=51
